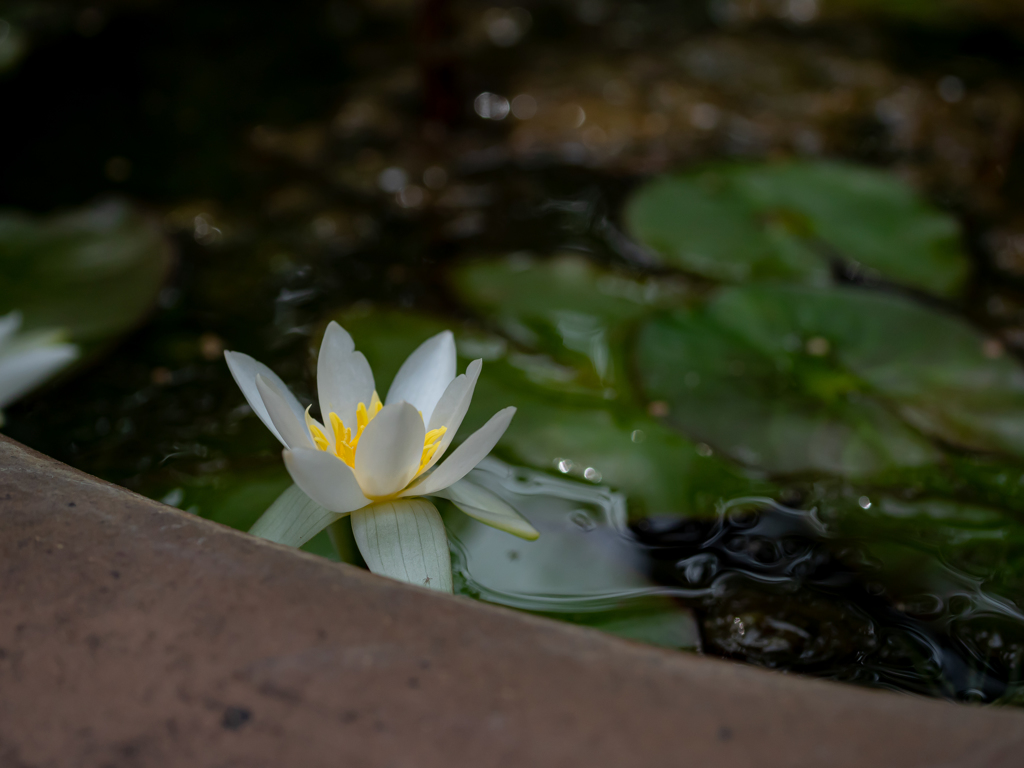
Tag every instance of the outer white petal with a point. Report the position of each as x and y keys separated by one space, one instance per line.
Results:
x=292 y=430
x=465 y=457
x=245 y=369
x=343 y=377
x=9 y=325
x=489 y=508
x=23 y=371
x=405 y=539
x=425 y=374
x=326 y=479
x=293 y=519
x=389 y=450
x=452 y=407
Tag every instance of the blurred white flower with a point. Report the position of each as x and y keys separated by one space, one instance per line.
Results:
x=374 y=459
x=28 y=359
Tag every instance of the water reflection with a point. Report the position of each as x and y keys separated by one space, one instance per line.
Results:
x=759 y=582
x=585 y=567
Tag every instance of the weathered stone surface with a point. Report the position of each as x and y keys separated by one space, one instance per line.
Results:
x=132 y=634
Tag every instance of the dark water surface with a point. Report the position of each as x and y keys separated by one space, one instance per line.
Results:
x=409 y=166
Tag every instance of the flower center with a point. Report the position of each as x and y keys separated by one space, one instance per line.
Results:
x=346 y=443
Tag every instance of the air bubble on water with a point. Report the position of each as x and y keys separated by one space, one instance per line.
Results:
x=392 y=179
x=864 y=502
x=592 y=475
x=524 y=106
x=435 y=177
x=491 y=106
x=951 y=89
x=699 y=569
x=506 y=26
x=564 y=465
x=583 y=521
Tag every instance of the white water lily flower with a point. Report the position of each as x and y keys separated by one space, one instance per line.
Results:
x=27 y=360
x=375 y=459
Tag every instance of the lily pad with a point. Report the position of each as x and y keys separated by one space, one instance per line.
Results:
x=703 y=224
x=838 y=380
x=788 y=221
x=565 y=306
x=93 y=272
x=586 y=436
x=943 y=376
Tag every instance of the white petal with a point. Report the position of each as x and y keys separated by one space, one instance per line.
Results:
x=489 y=508
x=245 y=369
x=465 y=457
x=9 y=325
x=405 y=539
x=389 y=451
x=293 y=432
x=425 y=374
x=293 y=519
x=23 y=371
x=343 y=377
x=326 y=479
x=452 y=407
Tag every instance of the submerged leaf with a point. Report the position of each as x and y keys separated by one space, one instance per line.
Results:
x=405 y=540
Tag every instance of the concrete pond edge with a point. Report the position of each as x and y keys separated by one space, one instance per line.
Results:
x=134 y=634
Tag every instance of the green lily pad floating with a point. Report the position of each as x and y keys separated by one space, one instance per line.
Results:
x=583 y=435
x=786 y=222
x=93 y=272
x=584 y=567
x=837 y=380
x=703 y=224
x=786 y=415
x=565 y=306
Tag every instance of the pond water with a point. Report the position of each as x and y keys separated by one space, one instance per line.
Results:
x=752 y=272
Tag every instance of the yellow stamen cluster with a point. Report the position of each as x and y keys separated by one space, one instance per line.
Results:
x=345 y=443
